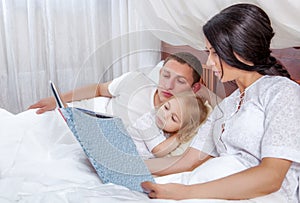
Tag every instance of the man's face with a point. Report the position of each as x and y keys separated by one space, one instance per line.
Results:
x=174 y=77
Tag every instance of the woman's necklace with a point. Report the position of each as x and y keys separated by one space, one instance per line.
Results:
x=242 y=95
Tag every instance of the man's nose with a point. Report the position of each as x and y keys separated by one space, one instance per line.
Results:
x=170 y=84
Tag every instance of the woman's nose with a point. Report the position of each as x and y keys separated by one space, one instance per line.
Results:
x=209 y=61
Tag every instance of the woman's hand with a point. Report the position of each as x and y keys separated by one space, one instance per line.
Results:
x=46 y=104
x=165 y=191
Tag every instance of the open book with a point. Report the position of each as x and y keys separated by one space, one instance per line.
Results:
x=108 y=146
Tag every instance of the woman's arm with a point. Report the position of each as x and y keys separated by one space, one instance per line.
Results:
x=189 y=160
x=261 y=180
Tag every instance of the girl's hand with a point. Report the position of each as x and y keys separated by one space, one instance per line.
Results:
x=165 y=147
x=165 y=191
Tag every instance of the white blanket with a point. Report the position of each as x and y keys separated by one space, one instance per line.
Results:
x=42 y=162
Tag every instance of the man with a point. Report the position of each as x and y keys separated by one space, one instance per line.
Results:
x=135 y=92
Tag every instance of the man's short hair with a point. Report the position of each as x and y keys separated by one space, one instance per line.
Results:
x=191 y=60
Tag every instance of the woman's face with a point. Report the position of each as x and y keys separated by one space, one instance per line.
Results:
x=169 y=116
x=213 y=61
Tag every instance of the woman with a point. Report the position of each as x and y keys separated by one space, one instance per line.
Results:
x=258 y=124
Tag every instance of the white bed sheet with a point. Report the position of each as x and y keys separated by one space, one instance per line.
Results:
x=42 y=162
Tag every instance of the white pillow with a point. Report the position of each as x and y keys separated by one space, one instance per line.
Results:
x=154 y=73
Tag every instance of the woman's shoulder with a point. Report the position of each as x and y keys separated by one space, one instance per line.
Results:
x=279 y=88
x=275 y=84
x=280 y=81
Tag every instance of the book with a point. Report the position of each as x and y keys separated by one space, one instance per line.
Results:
x=108 y=146
x=56 y=94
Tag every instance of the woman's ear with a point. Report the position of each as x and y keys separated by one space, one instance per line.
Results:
x=196 y=86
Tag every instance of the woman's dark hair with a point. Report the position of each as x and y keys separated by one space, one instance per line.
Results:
x=244 y=29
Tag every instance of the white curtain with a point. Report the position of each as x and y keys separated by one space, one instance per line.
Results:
x=71 y=42
x=179 y=22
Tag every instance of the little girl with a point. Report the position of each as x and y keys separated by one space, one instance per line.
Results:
x=158 y=133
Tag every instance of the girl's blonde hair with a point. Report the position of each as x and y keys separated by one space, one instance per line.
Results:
x=193 y=113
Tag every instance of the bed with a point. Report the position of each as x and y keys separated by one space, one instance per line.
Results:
x=42 y=162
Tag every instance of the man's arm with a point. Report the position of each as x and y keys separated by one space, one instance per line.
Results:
x=87 y=92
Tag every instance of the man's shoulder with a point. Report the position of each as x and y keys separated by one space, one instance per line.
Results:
x=127 y=81
x=136 y=80
x=132 y=76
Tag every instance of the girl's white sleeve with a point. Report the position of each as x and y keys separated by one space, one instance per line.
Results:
x=146 y=131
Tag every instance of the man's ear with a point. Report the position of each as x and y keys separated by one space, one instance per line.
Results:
x=196 y=86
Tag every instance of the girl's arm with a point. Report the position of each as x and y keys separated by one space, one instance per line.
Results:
x=261 y=180
x=165 y=147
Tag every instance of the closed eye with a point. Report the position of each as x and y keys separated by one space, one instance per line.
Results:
x=175 y=118
x=165 y=73
x=181 y=80
x=167 y=105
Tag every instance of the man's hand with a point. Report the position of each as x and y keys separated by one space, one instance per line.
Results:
x=46 y=104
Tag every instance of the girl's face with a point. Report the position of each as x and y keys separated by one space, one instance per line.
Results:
x=169 y=116
x=213 y=61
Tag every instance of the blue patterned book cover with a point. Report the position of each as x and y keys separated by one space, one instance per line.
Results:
x=109 y=148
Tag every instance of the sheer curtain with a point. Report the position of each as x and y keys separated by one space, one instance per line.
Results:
x=180 y=22
x=70 y=42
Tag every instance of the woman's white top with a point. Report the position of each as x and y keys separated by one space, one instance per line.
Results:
x=267 y=125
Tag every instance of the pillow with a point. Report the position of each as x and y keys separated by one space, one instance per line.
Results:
x=154 y=73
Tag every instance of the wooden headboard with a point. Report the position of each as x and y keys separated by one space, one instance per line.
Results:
x=289 y=57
